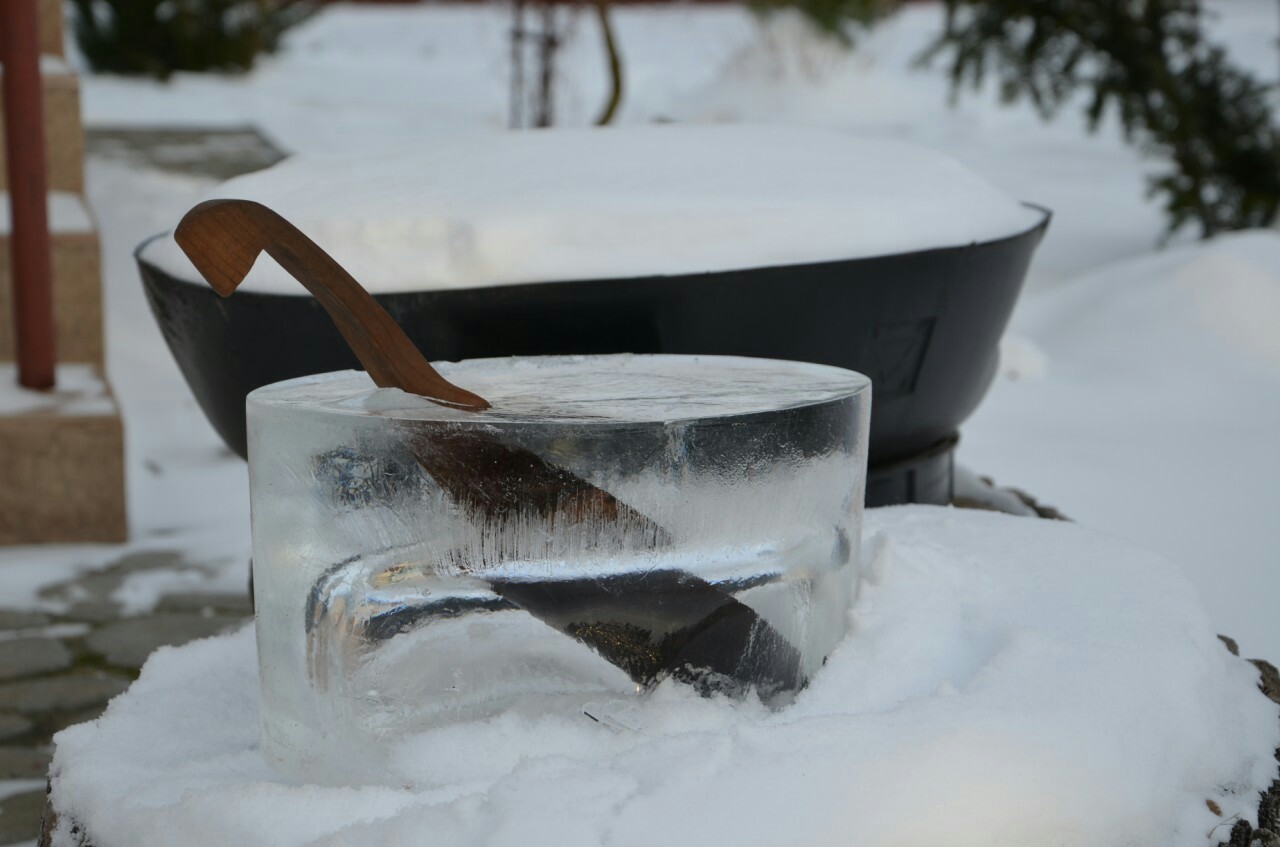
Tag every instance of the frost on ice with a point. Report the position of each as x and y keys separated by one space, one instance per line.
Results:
x=1007 y=681
x=497 y=208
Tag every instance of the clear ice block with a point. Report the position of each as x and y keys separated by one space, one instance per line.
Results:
x=611 y=523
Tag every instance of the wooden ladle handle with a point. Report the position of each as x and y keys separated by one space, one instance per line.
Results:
x=223 y=239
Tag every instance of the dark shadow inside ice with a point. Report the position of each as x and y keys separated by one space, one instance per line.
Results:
x=653 y=625
x=664 y=623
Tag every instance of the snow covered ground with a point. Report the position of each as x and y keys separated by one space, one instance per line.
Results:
x=1008 y=681
x=1141 y=394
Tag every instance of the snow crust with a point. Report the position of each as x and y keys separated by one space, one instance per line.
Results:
x=480 y=209
x=1006 y=681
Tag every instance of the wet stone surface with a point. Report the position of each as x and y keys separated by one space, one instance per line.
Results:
x=205 y=604
x=61 y=693
x=209 y=152
x=30 y=656
x=25 y=762
x=60 y=668
x=11 y=619
x=128 y=643
x=11 y=726
x=20 y=816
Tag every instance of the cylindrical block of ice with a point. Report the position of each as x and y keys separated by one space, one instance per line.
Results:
x=611 y=524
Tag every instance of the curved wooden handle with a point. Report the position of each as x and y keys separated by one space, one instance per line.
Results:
x=223 y=239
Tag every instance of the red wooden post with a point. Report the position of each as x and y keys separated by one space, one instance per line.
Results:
x=28 y=198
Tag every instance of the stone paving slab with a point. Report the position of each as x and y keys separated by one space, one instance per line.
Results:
x=20 y=817
x=93 y=612
x=89 y=595
x=90 y=598
x=17 y=619
x=217 y=152
x=127 y=643
x=60 y=693
x=25 y=762
x=203 y=603
x=32 y=656
x=11 y=726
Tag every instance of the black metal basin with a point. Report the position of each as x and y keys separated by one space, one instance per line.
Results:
x=924 y=326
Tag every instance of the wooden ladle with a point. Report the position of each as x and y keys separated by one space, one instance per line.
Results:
x=652 y=624
x=223 y=239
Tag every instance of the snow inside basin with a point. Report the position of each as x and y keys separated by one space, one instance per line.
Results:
x=875 y=256
x=1007 y=681
x=501 y=208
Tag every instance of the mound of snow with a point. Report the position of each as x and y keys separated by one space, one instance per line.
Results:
x=1007 y=681
x=511 y=207
x=1153 y=413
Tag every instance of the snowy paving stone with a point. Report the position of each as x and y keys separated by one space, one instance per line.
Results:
x=199 y=602
x=93 y=587
x=60 y=693
x=53 y=632
x=12 y=726
x=93 y=612
x=218 y=153
x=24 y=762
x=1021 y=681
x=20 y=816
x=90 y=594
x=147 y=561
x=127 y=643
x=17 y=619
x=31 y=656
x=135 y=583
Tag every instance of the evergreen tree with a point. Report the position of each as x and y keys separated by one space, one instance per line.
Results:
x=1148 y=62
x=158 y=37
x=837 y=18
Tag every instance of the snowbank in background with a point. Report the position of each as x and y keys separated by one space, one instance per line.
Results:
x=509 y=207
x=1153 y=414
x=1007 y=681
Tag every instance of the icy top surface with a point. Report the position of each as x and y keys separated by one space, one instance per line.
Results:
x=584 y=389
x=1007 y=682
x=553 y=205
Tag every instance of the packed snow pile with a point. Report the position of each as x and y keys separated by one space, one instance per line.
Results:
x=1006 y=681
x=496 y=208
x=1146 y=403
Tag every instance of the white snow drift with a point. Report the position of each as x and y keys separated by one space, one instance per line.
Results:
x=1007 y=681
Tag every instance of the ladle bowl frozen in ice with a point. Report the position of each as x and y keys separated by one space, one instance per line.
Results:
x=417 y=564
